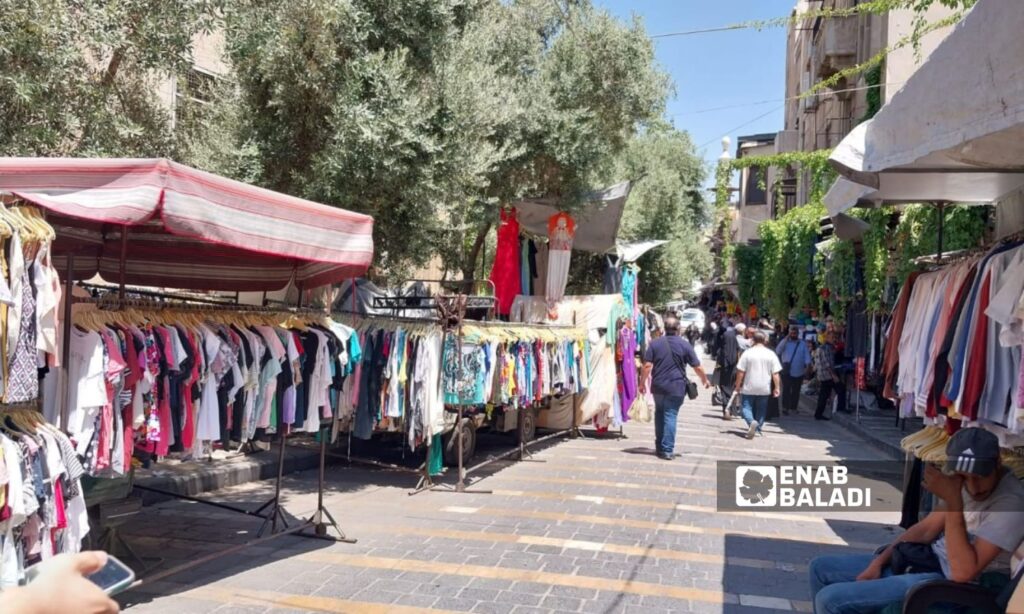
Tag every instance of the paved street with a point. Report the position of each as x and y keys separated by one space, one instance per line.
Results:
x=592 y=525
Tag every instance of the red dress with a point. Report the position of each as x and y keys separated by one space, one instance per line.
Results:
x=505 y=272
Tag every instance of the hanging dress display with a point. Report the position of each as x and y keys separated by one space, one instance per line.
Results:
x=505 y=274
x=561 y=230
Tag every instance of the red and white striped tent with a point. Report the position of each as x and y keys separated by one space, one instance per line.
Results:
x=187 y=228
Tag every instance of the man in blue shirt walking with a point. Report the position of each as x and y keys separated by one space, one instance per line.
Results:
x=665 y=363
x=796 y=361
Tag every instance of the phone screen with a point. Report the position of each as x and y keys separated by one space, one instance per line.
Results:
x=114 y=577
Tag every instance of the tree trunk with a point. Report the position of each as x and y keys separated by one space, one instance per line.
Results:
x=469 y=263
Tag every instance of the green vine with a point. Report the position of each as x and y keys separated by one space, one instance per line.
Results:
x=876 y=246
x=918 y=230
x=835 y=266
x=749 y=272
x=787 y=258
x=873 y=79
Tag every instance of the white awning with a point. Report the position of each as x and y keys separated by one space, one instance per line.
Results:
x=977 y=187
x=597 y=224
x=631 y=252
x=962 y=112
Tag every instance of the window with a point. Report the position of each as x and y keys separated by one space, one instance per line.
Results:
x=194 y=90
x=755 y=188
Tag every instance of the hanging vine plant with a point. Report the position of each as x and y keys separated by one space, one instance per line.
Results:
x=876 y=248
x=835 y=266
x=749 y=270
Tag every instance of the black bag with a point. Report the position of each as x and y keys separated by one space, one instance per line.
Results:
x=691 y=387
x=691 y=390
x=911 y=557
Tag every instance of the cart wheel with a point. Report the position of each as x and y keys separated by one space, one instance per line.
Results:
x=529 y=425
x=451 y=453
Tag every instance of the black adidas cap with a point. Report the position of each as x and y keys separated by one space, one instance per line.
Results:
x=972 y=450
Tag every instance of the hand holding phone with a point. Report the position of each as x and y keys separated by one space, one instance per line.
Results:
x=63 y=584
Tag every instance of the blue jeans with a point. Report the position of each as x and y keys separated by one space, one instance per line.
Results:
x=836 y=590
x=755 y=407
x=666 y=410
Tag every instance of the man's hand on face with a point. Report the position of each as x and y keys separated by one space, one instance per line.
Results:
x=949 y=488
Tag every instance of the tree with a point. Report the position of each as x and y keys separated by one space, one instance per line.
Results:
x=665 y=203
x=79 y=78
x=428 y=114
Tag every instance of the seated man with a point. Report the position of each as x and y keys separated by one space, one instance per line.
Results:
x=979 y=525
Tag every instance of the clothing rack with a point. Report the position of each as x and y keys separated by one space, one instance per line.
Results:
x=271 y=511
x=452 y=311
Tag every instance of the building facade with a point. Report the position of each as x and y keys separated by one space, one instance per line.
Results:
x=819 y=48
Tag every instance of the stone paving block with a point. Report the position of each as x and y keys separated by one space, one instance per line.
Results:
x=533 y=588
x=491 y=583
x=521 y=609
x=338 y=590
x=417 y=601
x=573 y=591
x=494 y=608
x=240 y=609
x=554 y=602
x=376 y=595
x=479 y=594
x=455 y=604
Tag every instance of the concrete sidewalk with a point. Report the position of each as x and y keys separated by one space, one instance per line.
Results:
x=878 y=427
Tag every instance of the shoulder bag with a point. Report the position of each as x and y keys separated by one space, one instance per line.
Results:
x=691 y=387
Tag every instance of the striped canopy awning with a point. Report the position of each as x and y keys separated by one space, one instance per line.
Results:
x=187 y=228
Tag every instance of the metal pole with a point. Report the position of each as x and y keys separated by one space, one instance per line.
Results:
x=942 y=219
x=65 y=351
x=460 y=486
x=124 y=257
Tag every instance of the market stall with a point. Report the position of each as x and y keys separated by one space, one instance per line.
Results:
x=162 y=224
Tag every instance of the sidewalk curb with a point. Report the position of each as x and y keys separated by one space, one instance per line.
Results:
x=849 y=422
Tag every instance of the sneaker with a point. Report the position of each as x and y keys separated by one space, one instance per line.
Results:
x=664 y=456
x=751 y=430
x=760 y=433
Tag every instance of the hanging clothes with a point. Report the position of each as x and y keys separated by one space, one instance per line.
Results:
x=561 y=231
x=505 y=273
x=612 y=275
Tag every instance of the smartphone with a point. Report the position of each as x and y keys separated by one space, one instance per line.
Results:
x=114 y=578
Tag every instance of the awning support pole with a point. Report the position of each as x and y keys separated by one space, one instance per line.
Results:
x=123 y=265
x=942 y=219
x=65 y=342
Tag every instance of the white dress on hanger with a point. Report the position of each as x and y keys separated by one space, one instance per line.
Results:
x=208 y=420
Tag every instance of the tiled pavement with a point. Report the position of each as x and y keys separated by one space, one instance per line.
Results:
x=590 y=525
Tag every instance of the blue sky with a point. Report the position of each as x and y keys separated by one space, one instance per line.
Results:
x=717 y=69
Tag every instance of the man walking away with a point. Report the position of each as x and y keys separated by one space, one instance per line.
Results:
x=665 y=363
x=743 y=341
x=796 y=362
x=757 y=379
x=825 y=366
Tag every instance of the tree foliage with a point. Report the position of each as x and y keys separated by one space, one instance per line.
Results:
x=429 y=114
x=665 y=203
x=80 y=78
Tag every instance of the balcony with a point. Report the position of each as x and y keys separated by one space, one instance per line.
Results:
x=835 y=47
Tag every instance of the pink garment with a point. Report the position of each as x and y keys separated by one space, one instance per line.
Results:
x=164 y=409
